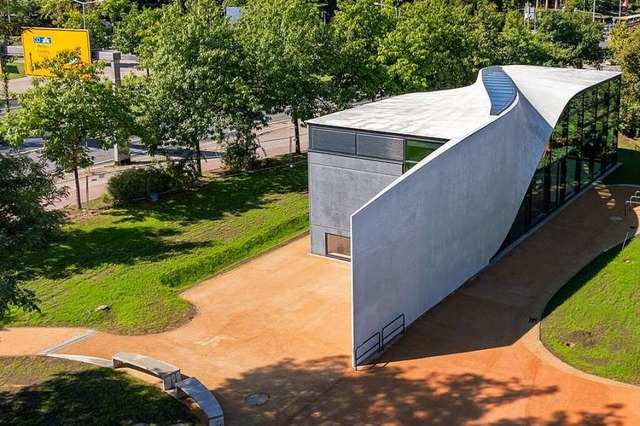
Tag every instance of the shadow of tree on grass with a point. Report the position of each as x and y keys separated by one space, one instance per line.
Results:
x=235 y=195
x=79 y=394
x=80 y=250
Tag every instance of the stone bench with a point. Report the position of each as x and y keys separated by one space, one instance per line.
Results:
x=169 y=374
x=192 y=388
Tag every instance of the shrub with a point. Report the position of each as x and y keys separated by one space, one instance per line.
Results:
x=240 y=153
x=136 y=183
x=181 y=173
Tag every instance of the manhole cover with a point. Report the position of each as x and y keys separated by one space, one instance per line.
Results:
x=616 y=218
x=256 y=399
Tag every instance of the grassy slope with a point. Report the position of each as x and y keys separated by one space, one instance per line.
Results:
x=137 y=259
x=16 y=70
x=39 y=390
x=593 y=322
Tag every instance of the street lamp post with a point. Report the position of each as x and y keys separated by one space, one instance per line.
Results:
x=620 y=12
x=84 y=3
x=380 y=4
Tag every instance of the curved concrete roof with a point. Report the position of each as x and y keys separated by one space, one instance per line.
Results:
x=450 y=114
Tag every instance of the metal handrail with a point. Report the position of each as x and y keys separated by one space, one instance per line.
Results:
x=637 y=193
x=628 y=204
x=377 y=346
x=392 y=333
x=634 y=198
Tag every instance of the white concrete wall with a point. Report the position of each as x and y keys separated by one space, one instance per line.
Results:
x=438 y=225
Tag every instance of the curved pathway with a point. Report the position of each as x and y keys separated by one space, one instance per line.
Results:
x=281 y=324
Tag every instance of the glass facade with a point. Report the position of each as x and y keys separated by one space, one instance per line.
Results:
x=582 y=147
x=416 y=150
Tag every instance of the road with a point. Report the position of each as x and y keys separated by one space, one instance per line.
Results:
x=275 y=140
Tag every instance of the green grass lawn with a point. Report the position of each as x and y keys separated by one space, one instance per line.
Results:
x=49 y=391
x=15 y=70
x=138 y=259
x=593 y=322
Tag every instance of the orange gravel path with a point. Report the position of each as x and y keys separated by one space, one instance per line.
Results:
x=280 y=324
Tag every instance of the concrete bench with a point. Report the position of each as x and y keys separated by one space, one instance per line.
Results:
x=169 y=374
x=199 y=393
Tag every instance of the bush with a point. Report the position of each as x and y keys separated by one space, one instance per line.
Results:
x=240 y=153
x=181 y=173
x=136 y=183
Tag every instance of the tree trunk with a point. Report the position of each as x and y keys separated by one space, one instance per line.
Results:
x=296 y=129
x=77 y=179
x=5 y=81
x=198 y=157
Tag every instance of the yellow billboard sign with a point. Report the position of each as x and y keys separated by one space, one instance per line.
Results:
x=39 y=44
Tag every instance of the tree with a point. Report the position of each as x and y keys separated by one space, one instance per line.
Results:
x=134 y=28
x=625 y=47
x=357 y=30
x=519 y=46
x=26 y=223
x=286 y=40
x=14 y=14
x=198 y=85
x=431 y=48
x=575 y=37
x=68 y=110
x=100 y=16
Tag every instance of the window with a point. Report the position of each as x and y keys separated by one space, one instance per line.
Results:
x=415 y=151
x=338 y=246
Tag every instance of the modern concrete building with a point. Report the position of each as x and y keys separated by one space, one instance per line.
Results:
x=421 y=191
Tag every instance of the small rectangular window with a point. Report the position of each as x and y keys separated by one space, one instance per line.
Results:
x=338 y=246
x=416 y=151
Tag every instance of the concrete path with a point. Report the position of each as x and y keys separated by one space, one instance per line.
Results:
x=281 y=325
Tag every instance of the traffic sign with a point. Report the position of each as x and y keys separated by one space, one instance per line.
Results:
x=40 y=44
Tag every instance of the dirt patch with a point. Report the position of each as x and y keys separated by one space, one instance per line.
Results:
x=587 y=338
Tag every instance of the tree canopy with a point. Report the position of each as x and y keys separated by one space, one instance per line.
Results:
x=199 y=83
x=625 y=47
x=26 y=223
x=69 y=110
x=286 y=41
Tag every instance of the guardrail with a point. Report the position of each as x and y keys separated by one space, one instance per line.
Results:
x=390 y=335
x=377 y=345
x=379 y=340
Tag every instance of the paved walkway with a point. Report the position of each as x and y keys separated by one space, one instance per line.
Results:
x=281 y=324
x=476 y=359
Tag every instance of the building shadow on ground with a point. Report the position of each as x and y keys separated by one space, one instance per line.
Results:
x=496 y=308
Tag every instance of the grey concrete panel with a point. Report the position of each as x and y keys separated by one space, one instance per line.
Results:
x=353 y=163
x=441 y=222
x=338 y=186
